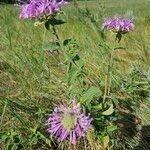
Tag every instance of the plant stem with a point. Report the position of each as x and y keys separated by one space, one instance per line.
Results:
x=108 y=77
x=110 y=72
x=105 y=91
x=55 y=33
x=58 y=40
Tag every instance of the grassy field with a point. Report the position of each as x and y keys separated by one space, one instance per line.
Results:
x=31 y=79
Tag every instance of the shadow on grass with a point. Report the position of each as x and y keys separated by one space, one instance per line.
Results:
x=128 y=124
x=132 y=135
x=144 y=143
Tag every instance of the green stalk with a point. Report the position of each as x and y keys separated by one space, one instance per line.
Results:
x=108 y=77
x=55 y=33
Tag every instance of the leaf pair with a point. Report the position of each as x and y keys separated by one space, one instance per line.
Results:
x=53 y=22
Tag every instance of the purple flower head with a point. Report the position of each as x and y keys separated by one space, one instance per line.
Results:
x=68 y=123
x=118 y=25
x=34 y=9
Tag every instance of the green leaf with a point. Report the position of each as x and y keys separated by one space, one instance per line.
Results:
x=47 y=25
x=69 y=42
x=75 y=58
x=109 y=111
x=99 y=106
x=20 y=147
x=4 y=137
x=72 y=74
x=53 y=21
x=90 y=94
x=34 y=139
x=118 y=37
x=16 y=139
x=11 y=147
x=105 y=141
x=47 y=141
x=114 y=100
x=7 y=141
x=111 y=128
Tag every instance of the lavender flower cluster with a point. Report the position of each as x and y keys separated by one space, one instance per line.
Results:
x=68 y=123
x=118 y=25
x=34 y=9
